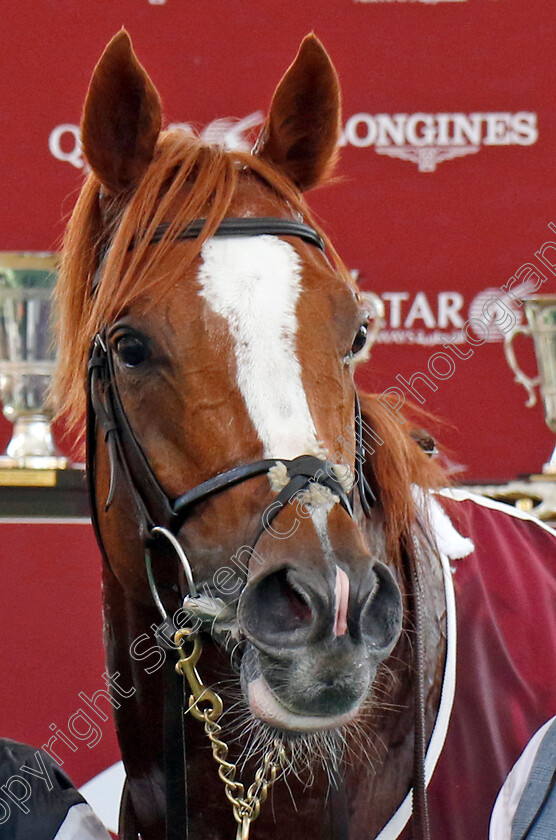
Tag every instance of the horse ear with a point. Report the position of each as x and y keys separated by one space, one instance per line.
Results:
x=121 y=118
x=300 y=136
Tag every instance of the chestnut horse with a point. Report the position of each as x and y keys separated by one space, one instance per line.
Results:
x=227 y=446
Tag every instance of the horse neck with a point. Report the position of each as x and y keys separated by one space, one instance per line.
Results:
x=138 y=718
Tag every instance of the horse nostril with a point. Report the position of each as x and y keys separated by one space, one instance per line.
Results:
x=275 y=610
x=381 y=614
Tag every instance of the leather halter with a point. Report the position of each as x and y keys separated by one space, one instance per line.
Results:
x=155 y=507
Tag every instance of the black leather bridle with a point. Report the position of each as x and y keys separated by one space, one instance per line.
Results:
x=154 y=508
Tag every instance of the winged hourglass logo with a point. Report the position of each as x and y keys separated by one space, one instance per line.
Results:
x=428 y=139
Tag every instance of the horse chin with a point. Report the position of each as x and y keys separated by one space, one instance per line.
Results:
x=266 y=707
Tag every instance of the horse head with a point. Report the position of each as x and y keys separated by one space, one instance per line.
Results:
x=224 y=420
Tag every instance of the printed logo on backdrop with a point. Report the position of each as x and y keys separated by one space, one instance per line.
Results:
x=64 y=141
x=427 y=319
x=423 y=139
x=428 y=139
x=410 y=317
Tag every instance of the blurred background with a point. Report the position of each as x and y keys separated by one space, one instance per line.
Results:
x=446 y=181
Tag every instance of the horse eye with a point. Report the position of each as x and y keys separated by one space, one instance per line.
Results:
x=359 y=341
x=131 y=349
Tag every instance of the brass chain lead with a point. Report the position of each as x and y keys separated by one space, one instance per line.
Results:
x=246 y=806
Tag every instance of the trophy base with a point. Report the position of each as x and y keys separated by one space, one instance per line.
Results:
x=34 y=462
x=47 y=495
x=32 y=446
x=535 y=494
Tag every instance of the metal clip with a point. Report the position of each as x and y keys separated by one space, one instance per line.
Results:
x=200 y=693
x=243 y=829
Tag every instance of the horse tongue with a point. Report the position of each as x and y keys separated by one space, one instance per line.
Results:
x=341 y=601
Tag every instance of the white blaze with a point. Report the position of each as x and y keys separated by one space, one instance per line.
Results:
x=254 y=283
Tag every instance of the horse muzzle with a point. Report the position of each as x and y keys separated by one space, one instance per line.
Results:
x=316 y=640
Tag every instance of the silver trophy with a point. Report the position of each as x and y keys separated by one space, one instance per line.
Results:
x=540 y=311
x=27 y=358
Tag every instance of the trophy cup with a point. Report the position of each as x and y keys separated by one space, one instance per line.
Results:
x=540 y=311
x=535 y=494
x=27 y=358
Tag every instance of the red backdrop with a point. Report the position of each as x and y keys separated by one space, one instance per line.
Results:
x=52 y=644
x=446 y=206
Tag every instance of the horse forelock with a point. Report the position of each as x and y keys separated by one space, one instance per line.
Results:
x=186 y=180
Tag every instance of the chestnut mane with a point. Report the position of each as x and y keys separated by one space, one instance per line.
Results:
x=188 y=179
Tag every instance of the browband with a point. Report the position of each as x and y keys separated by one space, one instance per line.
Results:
x=251 y=226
